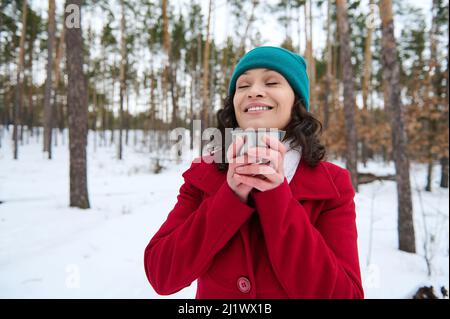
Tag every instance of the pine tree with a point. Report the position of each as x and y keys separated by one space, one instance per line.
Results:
x=349 y=97
x=393 y=106
x=77 y=100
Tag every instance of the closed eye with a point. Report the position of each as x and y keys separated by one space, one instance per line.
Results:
x=242 y=86
x=272 y=83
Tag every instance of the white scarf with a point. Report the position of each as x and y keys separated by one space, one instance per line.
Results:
x=291 y=160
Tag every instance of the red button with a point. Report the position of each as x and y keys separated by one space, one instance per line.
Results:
x=244 y=284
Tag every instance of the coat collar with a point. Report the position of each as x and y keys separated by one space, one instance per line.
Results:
x=308 y=183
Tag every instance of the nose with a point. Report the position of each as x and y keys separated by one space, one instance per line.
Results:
x=256 y=90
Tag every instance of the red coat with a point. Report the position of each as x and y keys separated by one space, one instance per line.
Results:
x=298 y=240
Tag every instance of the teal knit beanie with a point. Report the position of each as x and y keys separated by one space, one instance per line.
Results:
x=292 y=66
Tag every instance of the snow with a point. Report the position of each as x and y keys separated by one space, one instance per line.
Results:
x=49 y=250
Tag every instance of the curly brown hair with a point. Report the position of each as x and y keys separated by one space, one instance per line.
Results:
x=303 y=128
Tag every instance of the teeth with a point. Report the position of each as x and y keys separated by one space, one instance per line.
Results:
x=258 y=108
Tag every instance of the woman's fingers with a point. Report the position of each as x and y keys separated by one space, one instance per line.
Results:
x=255 y=169
x=264 y=153
x=254 y=182
x=234 y=148
x=244 y=160
x=239 y=184
x=274 y=144
x=246 y=172
x=262 y=171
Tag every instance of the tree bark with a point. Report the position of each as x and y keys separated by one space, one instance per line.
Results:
x=111 y=118
x=311 y=62
x=444 y=172
x=174 y=94
x=366 y=81
x=349 y=96
x=328 y=77
x=59 y=116
x=77 y=102
x=205 y=91
x=166 y=67
x=393 y=105
x=431 y=102
x=48 y=111
x=19 y=76
x=127 y=117
x=152 y=101
x=123 y=55
x=367 y=60
x=30 y=115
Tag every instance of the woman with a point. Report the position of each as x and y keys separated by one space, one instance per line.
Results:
x=285 y=229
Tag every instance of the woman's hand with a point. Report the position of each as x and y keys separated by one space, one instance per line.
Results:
x=263 y=177
x=233 y=178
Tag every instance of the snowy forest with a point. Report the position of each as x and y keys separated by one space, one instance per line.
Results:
x=91 y=93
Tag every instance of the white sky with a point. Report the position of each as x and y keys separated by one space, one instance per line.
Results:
x=268 y=26
x=271 y=30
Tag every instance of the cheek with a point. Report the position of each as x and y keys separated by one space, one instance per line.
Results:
x=288 y=97
x=236 y=100
x=288 y=101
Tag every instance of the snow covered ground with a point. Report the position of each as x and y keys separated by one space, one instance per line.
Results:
x=48 y=250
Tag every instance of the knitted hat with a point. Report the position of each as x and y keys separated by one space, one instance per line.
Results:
x=292 y=66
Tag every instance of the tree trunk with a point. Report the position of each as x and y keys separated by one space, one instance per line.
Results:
x=328 y=77
x=349 y=97
x=19 y=76
x=59 y=116
x=428 y=186
x=299 y=33
x=77 y=103
x=334 y=70
x=123 y=54
x=152 y=101
x=205 y=91
x=30 y=117
x=393 y=105
x=104 y=126
x=367 y=58
x=6 y=98
x=174 y=93
x=94 y=117
x=444 y=159
x=431 y=103
x=48 y=112
x=191 y=99
x=127 y=117
x=110 y=118
x=198 y=86
x=311 y=63
x=444 y=172
x=366 y=80
x=166 y=67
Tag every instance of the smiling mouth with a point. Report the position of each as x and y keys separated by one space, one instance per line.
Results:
x=254 y=109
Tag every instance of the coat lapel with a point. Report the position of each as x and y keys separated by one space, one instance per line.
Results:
x=313 y=183
x=308 y=183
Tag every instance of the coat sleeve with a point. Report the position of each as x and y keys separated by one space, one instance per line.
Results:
x=312 y=262
x=195 y=230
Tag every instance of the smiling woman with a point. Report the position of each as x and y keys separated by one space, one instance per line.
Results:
x=263 y=98
x=275 y=222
